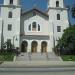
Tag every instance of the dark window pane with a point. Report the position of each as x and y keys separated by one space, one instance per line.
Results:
x=34 y=26
x=58 y=28
x=29 y=28
x=8 y=44
x=9 y=27
x=11 y=1
x=57 y=3
x=9 y=40
x=38 y=27
x=10 y=15
x=58 y=16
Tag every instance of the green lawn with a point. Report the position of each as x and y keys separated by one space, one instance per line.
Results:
x=6 y=56
x=68 y=57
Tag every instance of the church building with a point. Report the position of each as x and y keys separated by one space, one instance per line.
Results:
x=32 y=31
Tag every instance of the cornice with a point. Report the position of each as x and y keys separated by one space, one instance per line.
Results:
x=58 y=8
x=19 y=6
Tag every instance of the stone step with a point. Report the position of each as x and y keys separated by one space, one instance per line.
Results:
x=22 y=57
x=37 y=56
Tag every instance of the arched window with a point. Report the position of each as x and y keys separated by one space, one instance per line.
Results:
x=58 y=16
x=11 y=1
x=57 y=3
x=29 y=28
x=38 y=27
x=34 y=26
x=10 y=14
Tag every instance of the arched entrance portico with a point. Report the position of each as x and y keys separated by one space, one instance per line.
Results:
x=24 y=46
x=44 y=47
x=34 y=47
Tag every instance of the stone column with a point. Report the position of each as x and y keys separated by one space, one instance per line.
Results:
x=39 y=46
x=29 y=46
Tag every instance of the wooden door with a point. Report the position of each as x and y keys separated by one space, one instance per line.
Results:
x=34 y=47
x=24 y=46
x=44 y=47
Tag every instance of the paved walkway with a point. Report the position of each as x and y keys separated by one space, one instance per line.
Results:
x=38 y=57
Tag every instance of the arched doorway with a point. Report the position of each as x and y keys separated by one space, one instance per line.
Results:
x=34 y=47
x=24 y=46
x=44 y=47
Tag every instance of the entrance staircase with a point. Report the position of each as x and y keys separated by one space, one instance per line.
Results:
x=22 y=57
x=53 y=57
x=38 y=57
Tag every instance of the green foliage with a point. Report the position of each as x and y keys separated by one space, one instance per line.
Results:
x=6 y=56
x=67 y=40
x=68 y=36
x=7 y=46
x=73 y=12
x=68 y=57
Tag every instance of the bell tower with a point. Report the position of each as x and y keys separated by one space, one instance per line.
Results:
x=55 y=3
x=58 y=19
x=10 y=13
x=11 y=2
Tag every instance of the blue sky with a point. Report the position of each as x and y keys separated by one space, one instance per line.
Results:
x=42 y=4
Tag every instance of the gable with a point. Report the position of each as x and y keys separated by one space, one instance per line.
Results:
x=34 y=12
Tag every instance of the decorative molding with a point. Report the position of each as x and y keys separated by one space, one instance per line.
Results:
x=58 y=8
x=14 y=6
x=38 y=37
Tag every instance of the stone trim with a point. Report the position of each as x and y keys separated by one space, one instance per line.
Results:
x=38 y=37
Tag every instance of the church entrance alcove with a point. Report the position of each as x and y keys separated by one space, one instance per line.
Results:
x=24 y=46
x=34 y=47
x=44 y=47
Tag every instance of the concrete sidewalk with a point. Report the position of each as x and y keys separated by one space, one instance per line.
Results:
x=39 y=64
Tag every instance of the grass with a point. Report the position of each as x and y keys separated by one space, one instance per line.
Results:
x=68 y=57
x=6 y=56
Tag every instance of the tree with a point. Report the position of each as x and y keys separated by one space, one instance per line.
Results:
x=73 y=11
x=67 y=41
x=7 y=46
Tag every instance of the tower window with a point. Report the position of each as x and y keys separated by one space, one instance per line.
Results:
x=10 y=14
x=11 y=1
x=9 y=40
x=58 y=28
x=57 y=3
x=34 y=26
x=8 y=44
x=9 y=27
x=58 y=16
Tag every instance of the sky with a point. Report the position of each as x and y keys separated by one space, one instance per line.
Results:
x=42 y=5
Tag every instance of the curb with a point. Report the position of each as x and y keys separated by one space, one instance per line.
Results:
x=34 y=64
